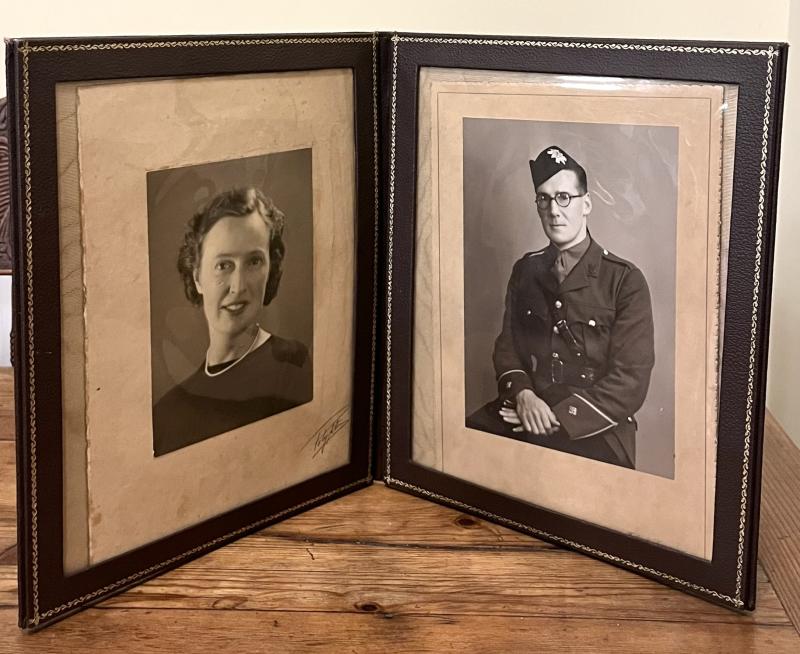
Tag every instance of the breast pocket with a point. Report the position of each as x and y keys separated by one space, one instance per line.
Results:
x=592 y=326
x=536 y=324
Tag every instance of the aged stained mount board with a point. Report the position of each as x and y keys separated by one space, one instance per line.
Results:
x=245 y=286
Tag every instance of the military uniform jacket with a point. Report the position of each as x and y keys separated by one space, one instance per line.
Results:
x=585 y=346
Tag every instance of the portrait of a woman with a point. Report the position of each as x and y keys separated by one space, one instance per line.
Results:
x=230 y=263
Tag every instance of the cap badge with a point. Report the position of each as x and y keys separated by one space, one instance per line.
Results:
x=573 y=410
x=557 y=156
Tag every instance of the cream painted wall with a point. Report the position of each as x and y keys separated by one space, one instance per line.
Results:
x=772 y=20
x=677 y=19
x=784 y=355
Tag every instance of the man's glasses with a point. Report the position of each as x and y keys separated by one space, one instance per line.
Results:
x=562 y=199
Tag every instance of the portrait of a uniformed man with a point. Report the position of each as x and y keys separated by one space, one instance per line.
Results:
x=574 y=356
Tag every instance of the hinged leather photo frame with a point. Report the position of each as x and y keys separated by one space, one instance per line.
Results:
x=163 y=186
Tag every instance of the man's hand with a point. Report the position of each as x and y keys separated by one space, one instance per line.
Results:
x=531 y=414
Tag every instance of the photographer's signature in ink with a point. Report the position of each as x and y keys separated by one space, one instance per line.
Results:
x=325 y=434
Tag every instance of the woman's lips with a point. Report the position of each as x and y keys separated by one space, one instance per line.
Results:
x=235 y=308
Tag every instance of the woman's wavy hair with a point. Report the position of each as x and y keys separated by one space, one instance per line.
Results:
x=238 y=202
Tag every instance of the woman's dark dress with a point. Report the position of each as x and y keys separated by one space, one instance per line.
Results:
x=274 y=377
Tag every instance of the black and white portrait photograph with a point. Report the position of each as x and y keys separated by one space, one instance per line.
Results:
x=207 y=243
x=569 y=267
x=569 y=247
x=231 y=252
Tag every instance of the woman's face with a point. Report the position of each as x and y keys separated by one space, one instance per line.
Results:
x=233 y=272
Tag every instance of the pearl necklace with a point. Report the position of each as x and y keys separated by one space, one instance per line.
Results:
x=233 y=363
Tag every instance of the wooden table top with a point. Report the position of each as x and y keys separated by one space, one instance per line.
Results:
x=382 y=571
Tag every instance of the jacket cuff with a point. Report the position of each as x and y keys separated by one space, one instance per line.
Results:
x=512 y=382
x=580 y=418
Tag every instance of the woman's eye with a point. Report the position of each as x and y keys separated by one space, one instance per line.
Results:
x=223 y=266
x=256 y=261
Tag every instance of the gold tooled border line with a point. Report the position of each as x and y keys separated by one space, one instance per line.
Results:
x=26 y=50
x=375 y=257
x=768 y=52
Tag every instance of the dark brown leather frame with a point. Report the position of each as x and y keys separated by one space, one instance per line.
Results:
x=758 y=71
x=35 y=67
x=386 y=70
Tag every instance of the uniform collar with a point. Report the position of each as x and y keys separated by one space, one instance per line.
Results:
x=587 y=268
x=571 y=256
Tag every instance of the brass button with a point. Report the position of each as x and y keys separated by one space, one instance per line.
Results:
x=592 y=323
x=555 y=355
x=558 y=304
x=630 y=419
x=528 y=312
x=555 y=329
x=605 y=252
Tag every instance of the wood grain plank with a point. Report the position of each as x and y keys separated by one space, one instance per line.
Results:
x=6 y=404
x=401 y=519
x=269 y=571
x=160 y=632
x=779 y=546
x=408 y=586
